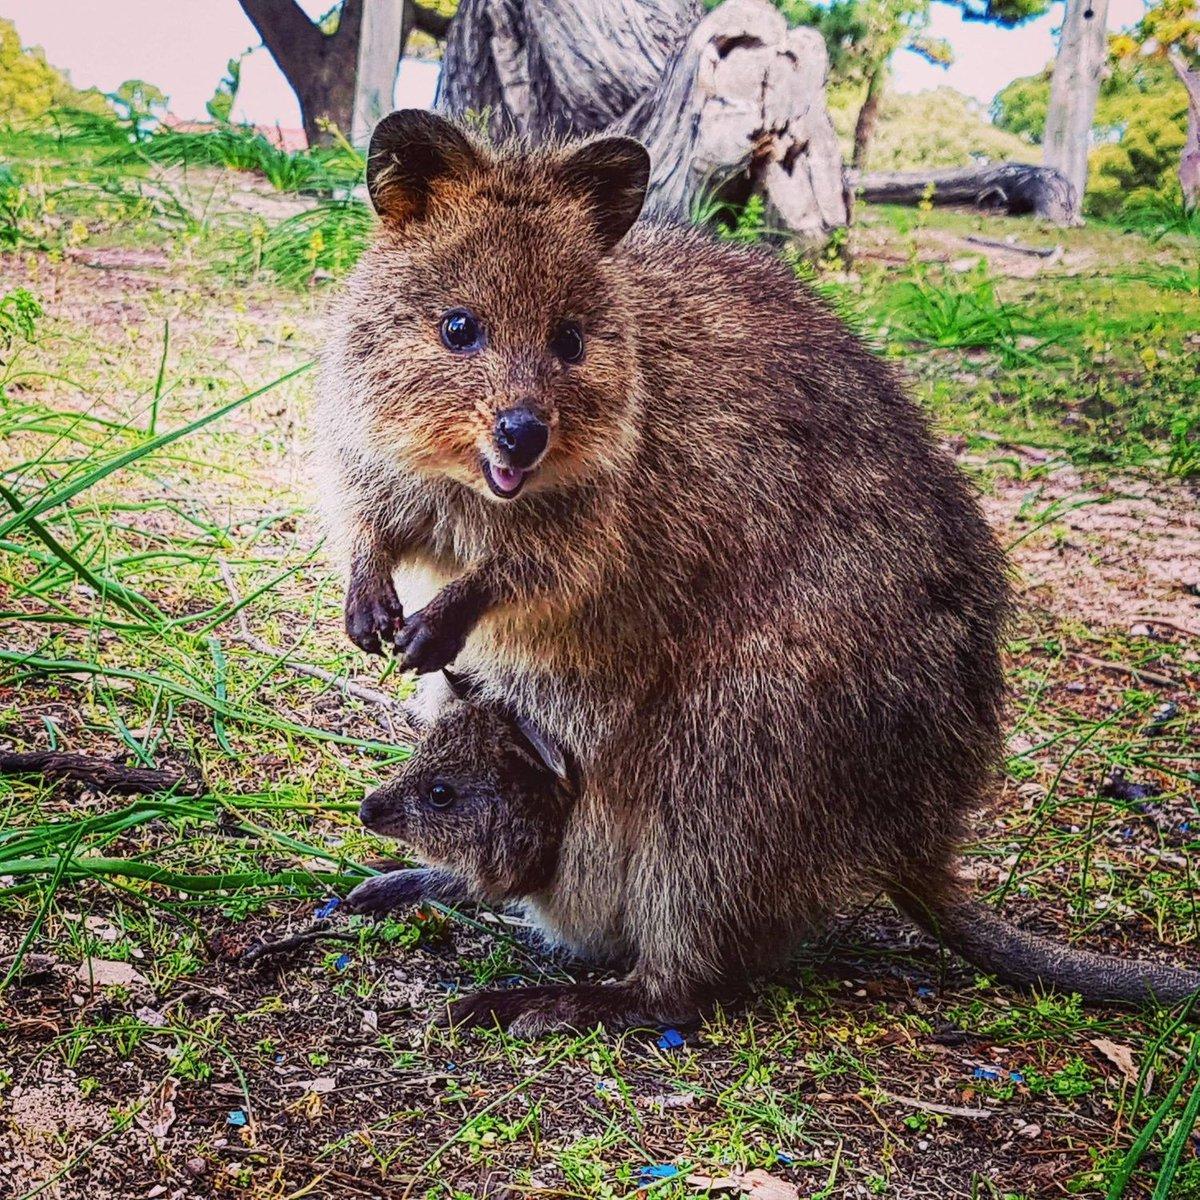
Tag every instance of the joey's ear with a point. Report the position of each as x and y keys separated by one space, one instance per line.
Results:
x=611 y=175
x=412 y=153
x=548 y=752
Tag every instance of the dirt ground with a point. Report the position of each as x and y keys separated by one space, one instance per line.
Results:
x=142 y=1056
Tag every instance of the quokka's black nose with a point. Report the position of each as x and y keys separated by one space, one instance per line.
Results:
x=522 y=435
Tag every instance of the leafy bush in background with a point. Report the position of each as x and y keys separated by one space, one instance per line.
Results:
x=936 y=128
x=1141 y=117
x=30 y=87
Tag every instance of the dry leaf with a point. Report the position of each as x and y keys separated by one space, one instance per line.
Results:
x=1120 y=1056
x=106 y=931
x=764 y=1186
x=715 y=1183
x=326 y=1083
x=102 y=972
x=757 y=1184
x=159 y=1115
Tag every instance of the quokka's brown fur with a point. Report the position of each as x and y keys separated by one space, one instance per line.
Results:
x=743 y=588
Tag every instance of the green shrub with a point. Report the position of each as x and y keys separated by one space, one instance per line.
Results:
x=30 y=87
x=936 y=128
x=1144 y=164
x=1141 y=116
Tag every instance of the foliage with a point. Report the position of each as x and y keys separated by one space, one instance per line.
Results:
x=1141 y=116
x=936 y=128
x=19 y=313
x=1143 y=164
x=963 y=311
x=244 y=148
x=30 y=87
x=1168 y=26
x=1005 y=13
x=220 y=107
x=322 y=242
x=140 y=105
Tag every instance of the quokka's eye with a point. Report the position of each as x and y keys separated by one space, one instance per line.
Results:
x=567 y=342
x=441 y=795
x=462 y=331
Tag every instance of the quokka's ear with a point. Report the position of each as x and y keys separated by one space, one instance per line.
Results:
x=549 y=753
x=611 y=175
x=412 y=154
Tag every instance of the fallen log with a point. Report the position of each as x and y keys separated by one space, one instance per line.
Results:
x=1019 y=189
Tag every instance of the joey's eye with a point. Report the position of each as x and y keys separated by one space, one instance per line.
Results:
x=441 y=795
x=567 y=342
x=462 y=331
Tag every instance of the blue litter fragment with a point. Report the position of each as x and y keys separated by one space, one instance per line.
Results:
x=451 y=1066
x=236 y=1117
x=986 y=1073
x=1016 y=1076
x=671 y=1039
x=279 y=1058
x=326 y=909
x=784 y=1160
x=343 y=962
x=657 y=1171
x=925 y=991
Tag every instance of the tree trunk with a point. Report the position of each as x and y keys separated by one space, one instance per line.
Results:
x=380 y=44
x=1189 y=159
x=1018 y=188
x=731 y=103
x=541 y=68
x=868 y=117
x=322 y=68
x=1074 y=87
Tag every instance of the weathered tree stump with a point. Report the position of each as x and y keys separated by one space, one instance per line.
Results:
x=731 y=104
x=1020 y=189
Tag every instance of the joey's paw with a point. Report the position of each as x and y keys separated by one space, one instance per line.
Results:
x=430 y=640
x=382 y=893
x=373 y=614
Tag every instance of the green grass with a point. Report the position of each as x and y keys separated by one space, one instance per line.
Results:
x=155 y=341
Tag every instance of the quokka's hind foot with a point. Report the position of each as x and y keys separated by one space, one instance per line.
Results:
x=529 y=1012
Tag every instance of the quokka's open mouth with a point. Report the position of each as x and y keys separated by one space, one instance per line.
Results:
x=505 y=482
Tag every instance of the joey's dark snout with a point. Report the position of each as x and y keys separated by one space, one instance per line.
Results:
x=521 y=435
x=382 y=811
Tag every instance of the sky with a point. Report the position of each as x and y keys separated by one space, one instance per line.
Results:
x=182 y=46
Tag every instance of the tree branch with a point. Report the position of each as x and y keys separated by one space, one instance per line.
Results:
x=429 y=21
x=294 y=42
x=99 y=774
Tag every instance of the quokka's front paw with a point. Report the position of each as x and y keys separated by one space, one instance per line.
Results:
x=373 y=614
x=432 y=638
x=382 y=893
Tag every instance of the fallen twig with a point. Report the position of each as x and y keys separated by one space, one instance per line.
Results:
x=947 y=1110
x=1120 y=668
x=1186 y=630
x=100 y=774
x=283 y=945
x=1015 y=247
x=347 y=686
